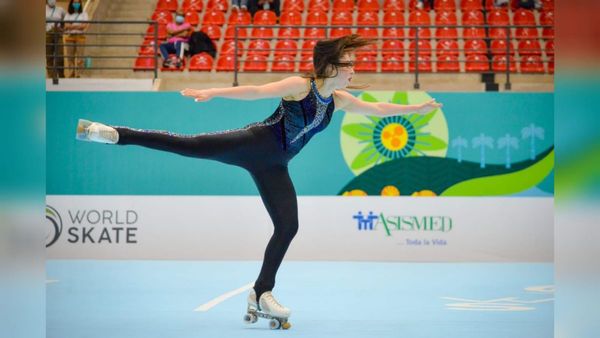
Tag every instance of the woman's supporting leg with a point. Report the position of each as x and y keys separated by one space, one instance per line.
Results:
x=279 y=196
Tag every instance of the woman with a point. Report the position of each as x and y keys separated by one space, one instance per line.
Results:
x=54 y=52
x=265 y=148
x=74 y=38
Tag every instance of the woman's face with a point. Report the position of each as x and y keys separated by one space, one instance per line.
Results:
x=344 y=74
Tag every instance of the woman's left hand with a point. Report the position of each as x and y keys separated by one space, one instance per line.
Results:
x=427 y=107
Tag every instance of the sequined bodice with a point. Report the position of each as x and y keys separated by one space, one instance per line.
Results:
x=296 y=122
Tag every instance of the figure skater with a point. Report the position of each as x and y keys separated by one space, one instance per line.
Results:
x=264 y=149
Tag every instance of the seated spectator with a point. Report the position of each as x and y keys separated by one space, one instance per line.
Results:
x=74 y=38
x=236 y=4
x=54 y=52
x=270 y=5
x=421 y=4
x=179 y=35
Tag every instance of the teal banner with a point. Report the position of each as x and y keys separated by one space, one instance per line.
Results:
x=477 y=144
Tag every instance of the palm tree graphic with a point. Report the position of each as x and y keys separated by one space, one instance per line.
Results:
x=460 y=143
x=507 y=141
x=532 y=132
x=482 y=142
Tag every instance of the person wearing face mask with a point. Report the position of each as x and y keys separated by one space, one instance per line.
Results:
x=74 y=38
x=54 y=52
x=179 y=35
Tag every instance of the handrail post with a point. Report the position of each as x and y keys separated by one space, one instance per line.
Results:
x=235 y=55
x=507 y=85
x=155 y=24
x=416 y=84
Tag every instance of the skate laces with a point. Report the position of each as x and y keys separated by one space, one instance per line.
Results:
x=103 y=132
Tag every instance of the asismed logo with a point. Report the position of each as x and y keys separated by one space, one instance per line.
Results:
x=365 y=222
x=56 y=225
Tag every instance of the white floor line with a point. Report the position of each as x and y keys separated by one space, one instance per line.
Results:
x=207 y=306
x=49 y=281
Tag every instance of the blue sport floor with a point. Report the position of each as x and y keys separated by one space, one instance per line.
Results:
x=177 y=299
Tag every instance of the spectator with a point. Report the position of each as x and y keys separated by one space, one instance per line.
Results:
x=271 y=5
x=54 y=52
x=421 y=4
x=236 y=4
x=179 y=35
x=74 y=38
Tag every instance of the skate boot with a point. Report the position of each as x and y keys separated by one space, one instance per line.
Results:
x=96 y=132
x=268 y=308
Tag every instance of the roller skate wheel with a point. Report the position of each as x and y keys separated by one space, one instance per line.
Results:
x=286 y=325
x=274 y=324
x=250 y=318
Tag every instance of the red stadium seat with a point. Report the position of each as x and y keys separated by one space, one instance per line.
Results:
x=529 y=47
x=393 y=5
x=230 y=32
x=475 y=46
x=162 y=32
x=255 y=63
x=524 y=17
x=548 y=33
x=173 y=58
x=368 y=32
x=526 y=33
x=532 y=64
x=170 y=5
x=393 y=17
x=424 y=33
x=319 y=5
x=293 y=5
x=222 y=5
x=466 y=5
x=446 y=33
x=365 y=63
x=163 y=16
x=547 y=18
x=499 y=33
x=549 y=48
x=144 y=63
x=343 y=5
x=392 y=47
x=192 y=18
x=447 y=47
x=423 y=63
x=393 y=33
x=472 y=17
x=213 y=31
x=314 y=33
x=498 y=17
x=445 y=18
x=448 y=63
x=317 y=18
x=307 y=47
x=262 y=33
x=445 y=4
x=283 y=63
x=369 y=49
x=192 y=5
x=201 y=62
x=473 y=33
x=264 y=17
x=213 y=16
x=368 y=5
x=228 y=48
x=286 y=47
x=419 y=17
x=477 y=63
x=499 y=64
x=260 y=46
x=288 y=33
x=339 y=32
x=498 y=47
x=424 y=47
x=239 y=18
x=547 y=4
x=306 y=64
x=148 y=49
x=225 y=63
x=342 y=18
x=551 y=65
x=367 y=18
x=392 y=63
x=290 y=18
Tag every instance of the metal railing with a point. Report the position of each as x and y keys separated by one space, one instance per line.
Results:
x=510 y=36
x=57 y=43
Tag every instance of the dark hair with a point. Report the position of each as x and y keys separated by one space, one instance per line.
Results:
x=329 y=52
x=72 y=9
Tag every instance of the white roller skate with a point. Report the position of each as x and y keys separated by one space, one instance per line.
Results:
x=268 y=308
x=96 y=132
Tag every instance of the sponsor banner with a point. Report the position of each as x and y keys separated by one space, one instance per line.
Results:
x=425 y=229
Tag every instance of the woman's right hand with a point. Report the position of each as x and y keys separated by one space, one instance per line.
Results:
x=199 y=95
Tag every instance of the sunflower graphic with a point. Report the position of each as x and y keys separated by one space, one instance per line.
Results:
x=367 y=140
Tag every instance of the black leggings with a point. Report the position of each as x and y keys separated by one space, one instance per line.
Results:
x=255 y=149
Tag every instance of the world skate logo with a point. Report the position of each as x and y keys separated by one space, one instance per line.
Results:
x=55 y=225
x=365 y=222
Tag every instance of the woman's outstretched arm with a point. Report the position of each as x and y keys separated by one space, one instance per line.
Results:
x=347 y=102
x=286 y=87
